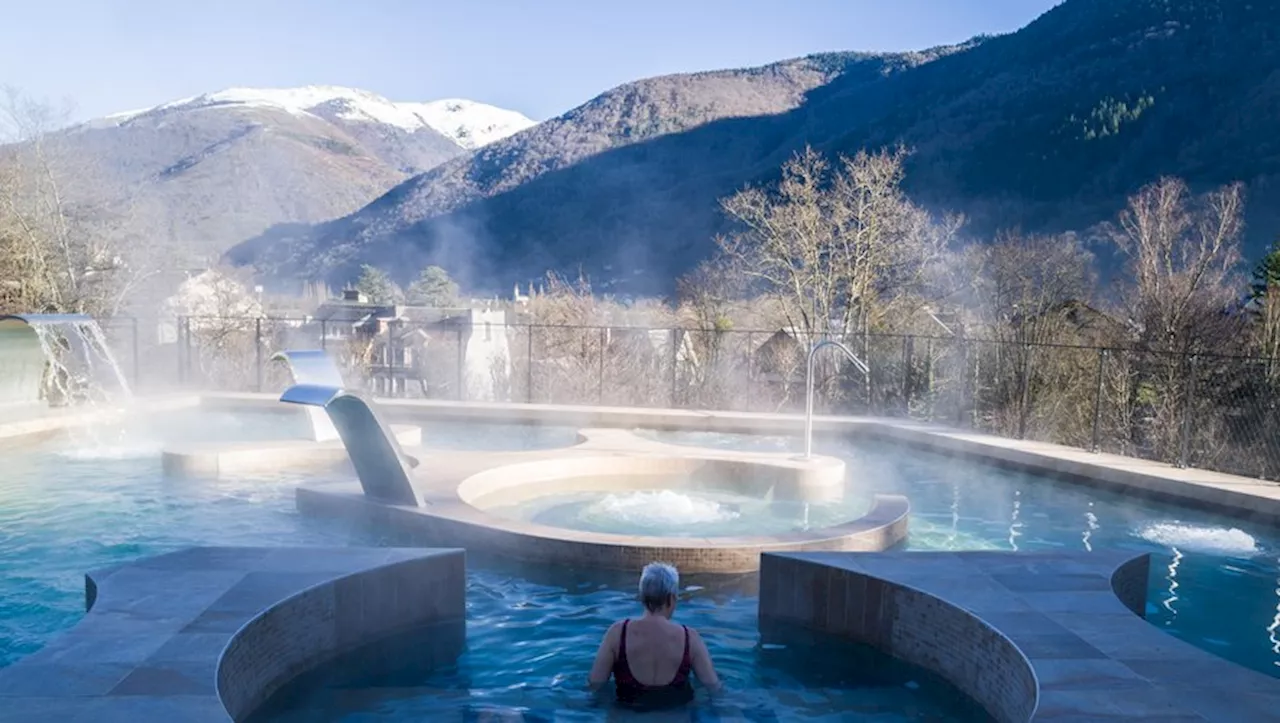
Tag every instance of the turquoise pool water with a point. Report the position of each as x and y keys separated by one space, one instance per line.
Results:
x=65 y=512
x=1215 y=581
x=530 y=637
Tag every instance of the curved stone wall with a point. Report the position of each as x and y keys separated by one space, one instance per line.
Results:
x=322 y=622
x=907 y=623
x=215 y=459
x=462 y=525
x=209 y=633
x=819 y=479
x=1130 y=581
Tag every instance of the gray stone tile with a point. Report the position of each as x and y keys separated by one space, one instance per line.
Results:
x=1093 y=705
x=1022 y=622
x=322 y=560
x=163 y=593
x=1139 y=645
x=206 y=558
x=1062 y=583
x=983 y=602
x=50 y=710
x=1082 y=674
x=170 y=678
x=1199 y=670
x=1221 y=705
x=217 y=621
x=1058 y=646
x=100 y=646
x=1085 y=604
x=137 y=709
x=66 y=679
x=191 y=646
x=258 y=591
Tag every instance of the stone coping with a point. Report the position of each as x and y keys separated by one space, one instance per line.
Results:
x=1031 y=636
x=459 y=489
x=213 y=459
x=209 y=633
x=1227 y=494
x=1232 y=495
x=48 y=421
x=881 y=528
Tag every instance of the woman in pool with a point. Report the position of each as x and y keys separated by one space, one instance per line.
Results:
x=651 y=658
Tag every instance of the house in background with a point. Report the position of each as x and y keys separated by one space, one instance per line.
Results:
x=441 y=353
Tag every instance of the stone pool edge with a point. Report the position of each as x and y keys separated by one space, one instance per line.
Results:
x=1231 y=495
x=1074 y=646
x=209 y=633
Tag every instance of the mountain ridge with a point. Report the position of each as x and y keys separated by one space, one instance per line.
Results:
x=1048 y=128
x=190 y=178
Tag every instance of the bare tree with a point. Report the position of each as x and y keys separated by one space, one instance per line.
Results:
x=1182 y=252
x=835 y=244
x=1029 y=289
x=1031 y=296
x=56 y=255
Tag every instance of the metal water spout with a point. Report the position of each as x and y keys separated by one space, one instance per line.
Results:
x=808 y=401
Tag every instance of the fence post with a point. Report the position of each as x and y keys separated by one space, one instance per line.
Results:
x=134 y=323
x=1184 y=454
x=928 y=378
x=528 y=368
x=324 y=334
x=462 y=360
x=257 y=339
x=908 y=351
x=675 y=367
x=1097 y=401
x=391 y=358
x=600 y=374
x=177 y=347
x=964 y=382
x=751 y=371
x=1025 y=411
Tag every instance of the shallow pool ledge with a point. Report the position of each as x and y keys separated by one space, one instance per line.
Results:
x=208 y=634
x=1030 y=636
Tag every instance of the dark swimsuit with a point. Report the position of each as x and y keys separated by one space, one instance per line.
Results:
x=634 y=694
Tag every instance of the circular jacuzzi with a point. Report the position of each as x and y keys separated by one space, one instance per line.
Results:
x=704 y=513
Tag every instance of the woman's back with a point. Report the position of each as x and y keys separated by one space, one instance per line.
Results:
x=653 y=664
x=651 y=659
x=655 y=650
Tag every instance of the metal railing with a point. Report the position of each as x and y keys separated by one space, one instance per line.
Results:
x=1215 y=412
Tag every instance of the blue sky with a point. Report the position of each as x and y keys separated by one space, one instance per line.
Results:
x=541 y=57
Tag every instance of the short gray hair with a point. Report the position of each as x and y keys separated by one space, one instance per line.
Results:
x=658 y=583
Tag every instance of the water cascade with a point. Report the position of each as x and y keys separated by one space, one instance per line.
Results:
x=314 y=367
x=59 y=359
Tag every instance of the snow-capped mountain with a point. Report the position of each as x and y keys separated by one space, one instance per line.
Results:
x=465 y=122
x=200 y=174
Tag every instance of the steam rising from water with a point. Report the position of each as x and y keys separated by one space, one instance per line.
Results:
x=1221 y=540
x=134 y=450
x=658 y=509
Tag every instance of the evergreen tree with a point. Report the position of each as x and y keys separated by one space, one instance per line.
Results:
x=1266 y=275
x=433 y=288
x=376 y=286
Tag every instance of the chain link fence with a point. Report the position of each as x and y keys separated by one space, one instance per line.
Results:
x=1214 y=412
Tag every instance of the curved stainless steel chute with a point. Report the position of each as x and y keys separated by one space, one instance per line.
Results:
x=808 y=400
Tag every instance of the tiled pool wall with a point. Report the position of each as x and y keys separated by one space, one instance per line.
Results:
x=883 y=527
x=906 y=623
x=209 y=634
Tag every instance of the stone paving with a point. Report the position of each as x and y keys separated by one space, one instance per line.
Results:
x=204 y=635
x=1069 y=614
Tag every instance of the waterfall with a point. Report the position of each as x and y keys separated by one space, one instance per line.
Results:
x=314 y=367
x=74 y=363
